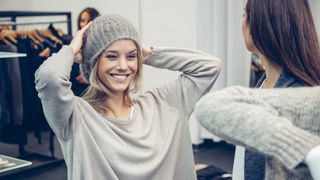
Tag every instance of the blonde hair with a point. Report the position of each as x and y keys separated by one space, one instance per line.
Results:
x=97 y=93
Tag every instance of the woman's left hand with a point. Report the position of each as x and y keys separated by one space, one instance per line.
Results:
x=146 y=53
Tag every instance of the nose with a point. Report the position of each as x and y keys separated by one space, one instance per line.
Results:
x=122 y=64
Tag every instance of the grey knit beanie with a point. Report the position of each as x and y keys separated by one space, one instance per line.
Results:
x=103 y=31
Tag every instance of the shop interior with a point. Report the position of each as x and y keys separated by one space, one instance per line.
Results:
x=42 y=28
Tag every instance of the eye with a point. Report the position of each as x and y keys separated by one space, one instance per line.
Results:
x=132 y=56
x=111 y=57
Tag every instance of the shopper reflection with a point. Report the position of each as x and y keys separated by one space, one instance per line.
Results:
x=80 y=84
x=113 y=132
x=86 y=15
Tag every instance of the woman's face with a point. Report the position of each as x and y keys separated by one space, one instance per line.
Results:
x=118 y=65
x=84 y=19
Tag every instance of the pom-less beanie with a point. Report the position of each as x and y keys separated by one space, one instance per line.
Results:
x=103 y=31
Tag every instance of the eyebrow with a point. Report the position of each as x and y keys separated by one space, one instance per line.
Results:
x=113 y=51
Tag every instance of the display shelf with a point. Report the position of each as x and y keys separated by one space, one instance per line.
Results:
x=11 y=55
x=15 y=163
x=39 y=163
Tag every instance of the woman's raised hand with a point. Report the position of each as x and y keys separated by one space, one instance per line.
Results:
x=146 y=52
x=76 y=43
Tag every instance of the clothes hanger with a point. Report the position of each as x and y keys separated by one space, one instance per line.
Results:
x=31 y=36
x=5 y=41
x=48 y=33
x=58 y=32
x=2 y=27
x=61 y=32
x=36 y=35
x=9 y=35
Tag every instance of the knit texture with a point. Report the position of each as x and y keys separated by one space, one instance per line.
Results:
x=283 y=124
x=254 y=166
x=154 y=144
x=103 y=31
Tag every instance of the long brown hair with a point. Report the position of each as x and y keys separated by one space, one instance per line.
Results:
x=284 y=31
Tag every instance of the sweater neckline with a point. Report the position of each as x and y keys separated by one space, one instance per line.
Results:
x=120 y=121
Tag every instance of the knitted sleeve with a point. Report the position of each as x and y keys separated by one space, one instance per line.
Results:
x=281 y=123
x=54 y=90
x=199 y=72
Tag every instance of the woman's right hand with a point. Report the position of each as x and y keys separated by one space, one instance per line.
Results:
x=76 y=43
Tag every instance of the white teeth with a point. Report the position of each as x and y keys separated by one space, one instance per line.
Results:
x=119 y=76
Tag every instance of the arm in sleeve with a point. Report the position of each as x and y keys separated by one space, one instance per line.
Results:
x=199 y=72
x=54 y=90
x=269 y=121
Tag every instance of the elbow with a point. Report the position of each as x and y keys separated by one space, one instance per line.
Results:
x=208 y=110
x=44 y=74
x=45 y=77
x=217 y=63
x=214 y=68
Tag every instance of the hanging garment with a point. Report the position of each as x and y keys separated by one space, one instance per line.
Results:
x=11 y=99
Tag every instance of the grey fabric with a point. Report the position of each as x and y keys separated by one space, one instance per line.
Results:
x=12 y=78
x=282 y=124
x=154 y=144
x=103 y=31
x=254 y=167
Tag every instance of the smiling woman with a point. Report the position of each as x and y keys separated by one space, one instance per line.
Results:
x=113 y=131
x=118 y=65
x=117 y=68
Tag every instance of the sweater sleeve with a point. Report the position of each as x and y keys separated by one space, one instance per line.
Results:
x=199 y=72
x=281 y=123
x=54 y=90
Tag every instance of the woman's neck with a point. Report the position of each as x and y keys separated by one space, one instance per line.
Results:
x=120 y=107
x=272 y=70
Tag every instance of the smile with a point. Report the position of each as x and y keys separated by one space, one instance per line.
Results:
x=120 y=77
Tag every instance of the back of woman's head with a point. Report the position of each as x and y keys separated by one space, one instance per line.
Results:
x=284 y=32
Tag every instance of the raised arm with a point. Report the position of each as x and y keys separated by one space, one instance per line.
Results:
x=54 y=87
x=199 y=72
x=280 y=123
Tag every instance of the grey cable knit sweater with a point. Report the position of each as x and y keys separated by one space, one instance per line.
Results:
x=283 y=124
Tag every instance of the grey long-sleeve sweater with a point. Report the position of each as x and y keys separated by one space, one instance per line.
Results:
x=283 y=124
x=153 y=144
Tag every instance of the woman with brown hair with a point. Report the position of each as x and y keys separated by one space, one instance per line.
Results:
x=86 y=15
x=283 y=35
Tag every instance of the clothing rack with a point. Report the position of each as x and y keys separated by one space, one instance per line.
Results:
x=30 y=23
x=49 y=161
x=13 y=15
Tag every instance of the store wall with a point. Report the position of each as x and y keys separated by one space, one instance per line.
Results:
x=167 y=23
x=315 y=8
x=220 y=33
